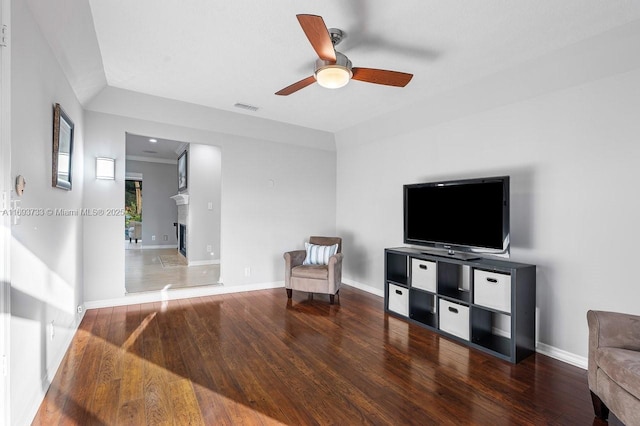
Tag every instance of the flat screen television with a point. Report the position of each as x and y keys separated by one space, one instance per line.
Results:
x=470 y=215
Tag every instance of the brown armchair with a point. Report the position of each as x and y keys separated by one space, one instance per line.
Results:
x=324 y=279
x=614 y=365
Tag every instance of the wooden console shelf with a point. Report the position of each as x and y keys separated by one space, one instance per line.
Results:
x=487 y=304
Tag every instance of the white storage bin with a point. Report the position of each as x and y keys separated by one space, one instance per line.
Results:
x=454 y=319
x=423 y=275
x=492 y=289
x=399 y=300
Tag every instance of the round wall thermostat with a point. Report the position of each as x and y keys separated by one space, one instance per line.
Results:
x=20 y=184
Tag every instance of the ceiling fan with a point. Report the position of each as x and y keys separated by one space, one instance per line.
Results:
x=333 y=69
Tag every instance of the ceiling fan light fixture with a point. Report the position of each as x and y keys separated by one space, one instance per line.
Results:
x=333 y=76
x=333 y=69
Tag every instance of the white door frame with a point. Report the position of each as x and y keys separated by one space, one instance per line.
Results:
x=5 y=220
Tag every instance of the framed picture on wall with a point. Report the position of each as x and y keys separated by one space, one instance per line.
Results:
x=62 y=149
x=182 y=171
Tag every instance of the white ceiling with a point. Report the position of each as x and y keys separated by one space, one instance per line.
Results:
x=140 y=147
x=216 y=53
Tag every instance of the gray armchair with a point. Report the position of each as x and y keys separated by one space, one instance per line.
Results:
x=324 y=279
x=614 y=365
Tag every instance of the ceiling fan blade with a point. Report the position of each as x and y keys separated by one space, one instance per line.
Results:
x=296 y=86
x=388 y=78
x=317 y=33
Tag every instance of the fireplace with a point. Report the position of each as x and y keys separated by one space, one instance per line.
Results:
x=182 y=239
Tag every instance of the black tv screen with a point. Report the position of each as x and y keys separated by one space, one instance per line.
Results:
x=470 y=215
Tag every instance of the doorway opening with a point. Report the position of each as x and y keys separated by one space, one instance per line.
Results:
x=180 y=239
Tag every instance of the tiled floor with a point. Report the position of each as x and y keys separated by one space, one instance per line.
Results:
x=144 y=272
x=132 y=245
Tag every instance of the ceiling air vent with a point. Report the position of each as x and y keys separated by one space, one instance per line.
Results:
x=246 y=106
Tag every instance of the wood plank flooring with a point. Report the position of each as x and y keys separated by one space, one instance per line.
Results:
x=259 y=358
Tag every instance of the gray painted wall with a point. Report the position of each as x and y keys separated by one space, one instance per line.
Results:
x=46 y=250
x=159 y=212
x=565 y=130
x=267 y=205
x=204 y=187
x=572 y=155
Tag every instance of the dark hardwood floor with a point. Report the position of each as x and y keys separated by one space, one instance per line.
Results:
x=259 y=358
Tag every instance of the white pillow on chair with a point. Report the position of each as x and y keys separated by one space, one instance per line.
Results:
x=319 y=255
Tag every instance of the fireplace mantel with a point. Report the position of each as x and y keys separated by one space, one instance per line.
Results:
x=180 y=199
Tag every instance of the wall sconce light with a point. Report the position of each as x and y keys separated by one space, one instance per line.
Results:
x=105 y=168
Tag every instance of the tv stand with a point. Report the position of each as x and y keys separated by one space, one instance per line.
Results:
x=451 y=254
x=486 y=304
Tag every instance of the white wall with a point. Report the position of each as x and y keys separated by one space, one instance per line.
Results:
x=274 y=195
x=573 y=157
x=204 y=187
x=112 y=100
x=159 y=212
x=6 y=184
x=46 y=251
x=103 y=255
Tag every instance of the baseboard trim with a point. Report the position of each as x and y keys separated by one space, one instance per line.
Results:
x=562 y=355
x=204 y=262
x=180 y=293
x=52 y=367
x=160 y=246
x=363 y=287
x=159 y=296
x=500 y=332
x=541 y=348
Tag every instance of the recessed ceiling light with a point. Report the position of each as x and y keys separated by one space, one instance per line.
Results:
x=153 y=140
